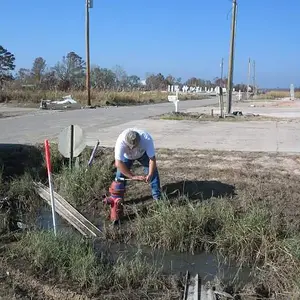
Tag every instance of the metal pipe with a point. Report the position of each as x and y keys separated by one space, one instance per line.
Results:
x=71 y=147
x=93 y=154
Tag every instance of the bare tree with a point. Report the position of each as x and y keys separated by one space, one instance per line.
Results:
x=156 y=82
x=70 y=72
x=38 y=69
x=122 y=77
x=103 y=79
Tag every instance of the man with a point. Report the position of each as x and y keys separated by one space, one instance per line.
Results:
x=135 y=144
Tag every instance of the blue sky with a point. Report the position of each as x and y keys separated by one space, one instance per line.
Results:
x=182 y=38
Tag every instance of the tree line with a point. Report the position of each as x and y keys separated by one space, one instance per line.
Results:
x=69 y=74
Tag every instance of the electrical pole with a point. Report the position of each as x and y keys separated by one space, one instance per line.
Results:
x=231 y=56
x=222 y=68
x=254 y=78
x=88 y=5
x=221 y=99
x=249 y=77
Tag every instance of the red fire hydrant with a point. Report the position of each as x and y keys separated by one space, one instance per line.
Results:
x=115 y=200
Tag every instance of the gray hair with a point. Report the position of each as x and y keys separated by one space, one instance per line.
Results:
x=132 y=138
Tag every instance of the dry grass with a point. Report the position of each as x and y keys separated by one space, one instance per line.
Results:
x=72 y=261
x=278 y=95
x=97 y=97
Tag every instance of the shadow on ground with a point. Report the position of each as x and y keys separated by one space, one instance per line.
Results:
x=16 y=159
x=199 y=189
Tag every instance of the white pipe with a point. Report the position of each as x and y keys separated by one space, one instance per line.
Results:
x=93 y=154
x=52 y=202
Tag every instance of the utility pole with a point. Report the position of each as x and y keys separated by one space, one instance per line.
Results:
x=88 y=5
x=249 y=77
x=254 y=78
x=221 y=99
x=231 y=56
x=222 y=69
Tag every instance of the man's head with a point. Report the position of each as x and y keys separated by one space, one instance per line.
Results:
x=132 y=139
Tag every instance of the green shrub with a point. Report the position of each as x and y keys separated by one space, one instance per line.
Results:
x=187 y=227
x=81 y=186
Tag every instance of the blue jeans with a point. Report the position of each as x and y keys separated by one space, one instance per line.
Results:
x=155 y=181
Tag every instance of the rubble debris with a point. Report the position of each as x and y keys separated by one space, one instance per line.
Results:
x=67 y=102
x=237 y=113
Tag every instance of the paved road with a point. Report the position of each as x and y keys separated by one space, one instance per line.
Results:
x=106 y=124
x=38 y=125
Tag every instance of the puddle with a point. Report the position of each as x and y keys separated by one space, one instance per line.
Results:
x=44 y=221
x=207 y=265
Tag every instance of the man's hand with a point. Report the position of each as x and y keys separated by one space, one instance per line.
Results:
x=139 y=178
x=152 y=167
x=148 y=178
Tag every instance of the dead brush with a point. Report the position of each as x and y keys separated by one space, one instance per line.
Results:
x=100 y=98
x=280 y=274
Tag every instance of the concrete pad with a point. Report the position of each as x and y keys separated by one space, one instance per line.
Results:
x=276 y=109
x=242 y=136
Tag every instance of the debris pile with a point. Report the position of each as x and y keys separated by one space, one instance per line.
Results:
x=67 y=103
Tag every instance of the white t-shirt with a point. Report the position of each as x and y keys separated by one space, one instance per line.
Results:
x=122 y=151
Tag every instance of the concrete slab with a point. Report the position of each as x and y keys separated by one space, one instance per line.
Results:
x=276 y=109
x=242 y=136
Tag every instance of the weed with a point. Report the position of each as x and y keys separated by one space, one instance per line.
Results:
x=20 y=203
x=277 y=95
x=65 y=256
x=80 y=186
x=186 y=227
x=136 y=273
x=71 y=258
x=247 y=238
x=22 y=190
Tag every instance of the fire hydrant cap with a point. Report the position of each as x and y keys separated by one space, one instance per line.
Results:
x=117 y=187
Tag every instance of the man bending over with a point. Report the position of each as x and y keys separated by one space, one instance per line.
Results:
x=136 y=144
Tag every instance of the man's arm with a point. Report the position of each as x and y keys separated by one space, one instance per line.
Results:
x=150 y=150
x=123 y=168
x=152 y=167
x=126 y=172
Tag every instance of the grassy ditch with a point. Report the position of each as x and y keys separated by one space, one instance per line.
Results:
x=243 y=206
x=254 y=238
x=97 y=97
x=18 y=202
x=71 y=261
